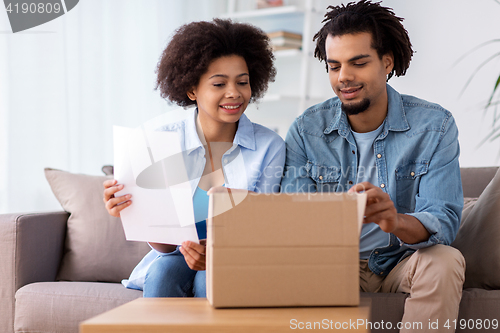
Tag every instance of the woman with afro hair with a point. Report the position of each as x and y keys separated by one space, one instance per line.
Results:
x=219 y=67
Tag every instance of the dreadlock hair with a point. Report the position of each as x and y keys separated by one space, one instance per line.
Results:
x=388 y=34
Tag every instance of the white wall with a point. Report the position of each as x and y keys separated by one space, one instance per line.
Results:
x=94 y=68
x=64 y=85
x=441 y=32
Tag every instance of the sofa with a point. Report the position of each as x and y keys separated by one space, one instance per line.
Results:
x=60 y=268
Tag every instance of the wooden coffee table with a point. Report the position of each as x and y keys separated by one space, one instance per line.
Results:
x=197 y=315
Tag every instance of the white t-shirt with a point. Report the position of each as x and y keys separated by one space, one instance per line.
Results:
x=371 y=234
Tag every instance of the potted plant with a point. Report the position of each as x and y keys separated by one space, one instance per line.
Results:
x=493 y=100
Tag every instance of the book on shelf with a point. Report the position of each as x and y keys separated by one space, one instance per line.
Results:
x=269 y=3
x=284 y=34
x=284 y=40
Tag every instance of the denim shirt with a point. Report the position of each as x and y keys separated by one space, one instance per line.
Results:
x=416 y=158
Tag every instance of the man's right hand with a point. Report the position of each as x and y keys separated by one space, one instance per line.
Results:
x=114 y=205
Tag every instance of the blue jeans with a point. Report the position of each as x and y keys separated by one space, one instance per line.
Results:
x=170 y=276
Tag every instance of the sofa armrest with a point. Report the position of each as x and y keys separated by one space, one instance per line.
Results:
x=31 y=247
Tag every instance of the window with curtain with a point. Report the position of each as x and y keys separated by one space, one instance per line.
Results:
x=64 y=84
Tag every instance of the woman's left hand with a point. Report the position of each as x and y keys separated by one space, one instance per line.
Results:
x=194 y=254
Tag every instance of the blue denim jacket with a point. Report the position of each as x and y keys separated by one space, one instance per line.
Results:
x=416 y=159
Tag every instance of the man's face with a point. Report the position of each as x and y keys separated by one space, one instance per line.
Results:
x=357 y=74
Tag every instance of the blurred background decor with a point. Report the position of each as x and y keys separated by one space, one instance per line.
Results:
x=64 y=84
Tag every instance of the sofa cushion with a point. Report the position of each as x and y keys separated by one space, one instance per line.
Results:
x=59 y=307
x=387 y=307
x=475 y=180
x=479 y=304
x=478 y=238
x=476 y=304
x=96 y=248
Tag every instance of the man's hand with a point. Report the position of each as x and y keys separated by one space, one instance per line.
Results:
x=379 y=207
x=380 y=210
x=194 y=254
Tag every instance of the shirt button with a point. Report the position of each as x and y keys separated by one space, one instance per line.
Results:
x=350 y=182
x=376 y=252
x=412 y=173
x=225 y=161
x=353 y=152
x=320 y=177
x=382 y=185
x=381 y=273
x=379 y=155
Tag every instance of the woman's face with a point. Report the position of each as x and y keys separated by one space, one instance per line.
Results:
x=223 y=93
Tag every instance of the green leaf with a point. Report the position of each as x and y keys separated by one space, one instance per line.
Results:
x=494 y=90
x=477 y=70
x=475 y=49
x=490 y=137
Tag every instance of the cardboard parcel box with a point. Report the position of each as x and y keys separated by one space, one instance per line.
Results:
x=283 y=249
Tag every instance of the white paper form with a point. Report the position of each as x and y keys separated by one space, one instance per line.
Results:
x=151 y=166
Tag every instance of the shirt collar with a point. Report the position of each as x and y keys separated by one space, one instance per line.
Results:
x=191 y=139
x=396 y=115
x=245 y=135
x=394 y=121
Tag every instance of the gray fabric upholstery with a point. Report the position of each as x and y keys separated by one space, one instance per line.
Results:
x=7 y=270
x=31 y=247
x=58 y=307
x=479 y=304
x=476 y=304
x=386 y=307
x=36 y=232
x=479 y=237
x=475 y=180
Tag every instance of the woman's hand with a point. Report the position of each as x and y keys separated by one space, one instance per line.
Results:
x=194 y=254
x=114 y=205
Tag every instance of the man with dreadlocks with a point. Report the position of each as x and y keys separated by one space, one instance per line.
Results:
x=400 y=150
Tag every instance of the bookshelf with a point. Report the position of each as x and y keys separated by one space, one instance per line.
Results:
x=296 y=87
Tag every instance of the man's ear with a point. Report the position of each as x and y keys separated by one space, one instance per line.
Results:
x=388 y=60
x=191 y=95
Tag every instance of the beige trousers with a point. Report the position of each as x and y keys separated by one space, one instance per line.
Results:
x=433 y=277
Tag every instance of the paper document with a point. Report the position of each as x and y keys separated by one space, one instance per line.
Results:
x=151 y=167
x=361 y=210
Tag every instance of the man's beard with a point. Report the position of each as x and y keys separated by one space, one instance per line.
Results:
x=356 y=108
